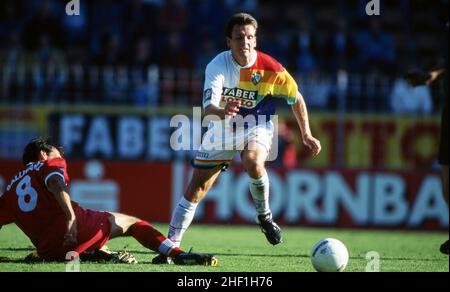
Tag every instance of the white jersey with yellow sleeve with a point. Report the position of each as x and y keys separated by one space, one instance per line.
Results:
x=255 y=86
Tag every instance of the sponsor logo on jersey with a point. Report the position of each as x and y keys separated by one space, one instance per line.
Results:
x=246 y=97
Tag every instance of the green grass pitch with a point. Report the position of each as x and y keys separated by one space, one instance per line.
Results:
x=245 y=249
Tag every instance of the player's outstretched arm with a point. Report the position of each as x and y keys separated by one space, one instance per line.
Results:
x=301 y=114
x=58 y=188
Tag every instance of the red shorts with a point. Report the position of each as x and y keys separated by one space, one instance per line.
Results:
x=93 y=229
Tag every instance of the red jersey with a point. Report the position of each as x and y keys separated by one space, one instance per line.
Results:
x=28 y=203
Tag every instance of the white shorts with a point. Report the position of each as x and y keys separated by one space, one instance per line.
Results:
x=219 y=148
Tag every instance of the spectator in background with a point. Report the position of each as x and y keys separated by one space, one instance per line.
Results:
x=105 y=18
x=176 y=63
x=251 y=6
x=173 y=16
x=316 y=89
x=406 y=99
x=12 y=55
x=140 y=20
x=376 y=48
x=142 y=54
x=272 y=43
x=174 y=54
x=46 y=61
x=200 y=12
x=339 y=48
x=11 y=19
x=43 y=23
x=110 y=53
x=206 y=51
x=114 y=80
x=144 y=88
x=306 y=44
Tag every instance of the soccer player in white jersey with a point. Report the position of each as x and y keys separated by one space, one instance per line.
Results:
x=245 y=82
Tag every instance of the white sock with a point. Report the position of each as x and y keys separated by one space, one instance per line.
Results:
x=166 y=247
x=259 y=188
x=181 y=219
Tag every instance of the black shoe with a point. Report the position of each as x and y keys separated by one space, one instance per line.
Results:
x=195 y=259
x=162 y=260
x=270 y=229
x=444 y=248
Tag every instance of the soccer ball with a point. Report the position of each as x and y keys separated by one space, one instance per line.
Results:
x=329 y=255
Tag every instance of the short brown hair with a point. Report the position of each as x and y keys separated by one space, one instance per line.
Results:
x=240 y=19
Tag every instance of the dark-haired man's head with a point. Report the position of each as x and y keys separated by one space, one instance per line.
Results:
x=241 y=37
x=39 y=149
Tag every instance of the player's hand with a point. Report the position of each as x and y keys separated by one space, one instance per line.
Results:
x=313 y=144
x=70 y=238
x=434 y=75
x=232 y=108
